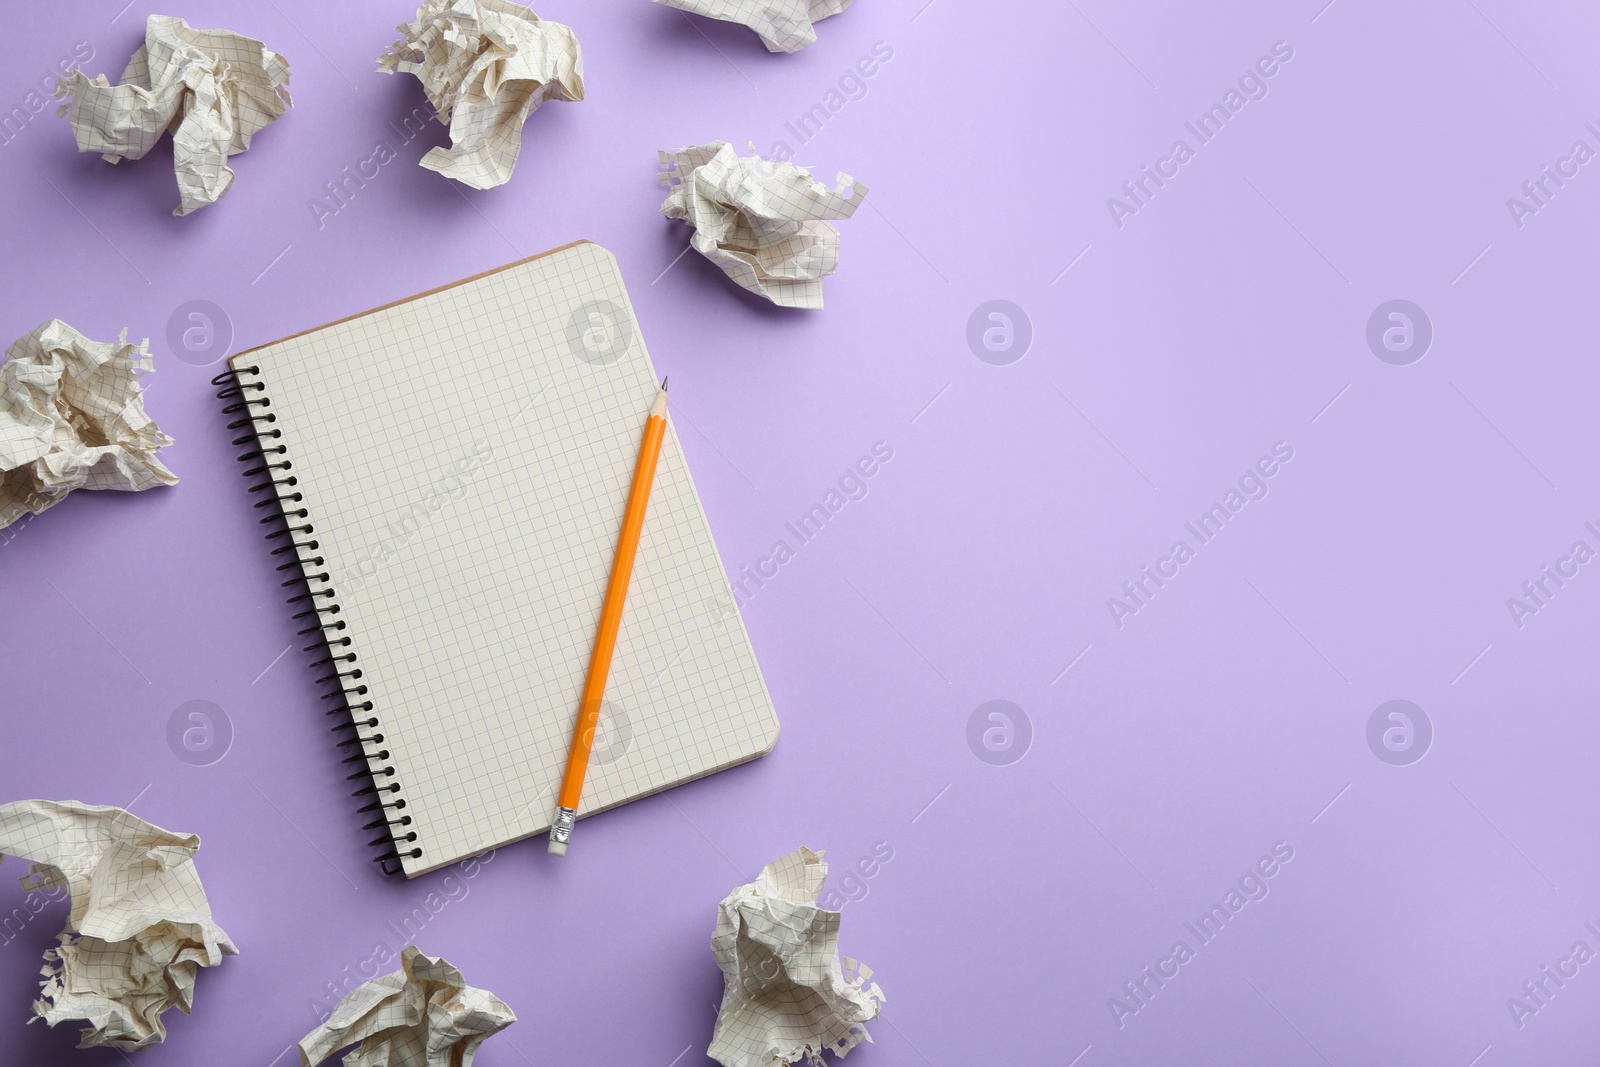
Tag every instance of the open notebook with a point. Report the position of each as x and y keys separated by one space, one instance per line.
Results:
x=453 y=469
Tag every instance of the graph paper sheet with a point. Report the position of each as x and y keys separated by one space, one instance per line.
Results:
x=464 y=458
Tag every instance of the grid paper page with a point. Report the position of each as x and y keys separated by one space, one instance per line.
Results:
x=465 y=458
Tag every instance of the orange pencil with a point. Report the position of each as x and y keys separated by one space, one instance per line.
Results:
x=605 y=641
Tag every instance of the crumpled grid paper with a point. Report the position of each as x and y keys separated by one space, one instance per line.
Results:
x=787 y=995
x=486 y=65
x=761 y=222
x=212 y=88
x=423 y=1015
x=72 y=417
x=140 y=925
x=782 y=25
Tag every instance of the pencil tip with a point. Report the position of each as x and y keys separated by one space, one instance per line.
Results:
x=663 y=384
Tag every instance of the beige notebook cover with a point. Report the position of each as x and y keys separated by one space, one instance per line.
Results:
x=463 y=459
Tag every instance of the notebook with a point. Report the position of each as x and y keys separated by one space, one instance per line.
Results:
x=452 y=472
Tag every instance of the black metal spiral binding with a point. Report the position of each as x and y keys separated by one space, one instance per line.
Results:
x=317 y=602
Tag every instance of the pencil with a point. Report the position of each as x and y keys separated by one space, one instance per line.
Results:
x=605 y=640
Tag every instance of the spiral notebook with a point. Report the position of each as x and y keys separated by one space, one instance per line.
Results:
x=451 y=472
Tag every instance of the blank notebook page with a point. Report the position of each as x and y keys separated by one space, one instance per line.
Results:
x=464 y=458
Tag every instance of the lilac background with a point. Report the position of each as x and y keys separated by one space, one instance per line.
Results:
x=1227 y=715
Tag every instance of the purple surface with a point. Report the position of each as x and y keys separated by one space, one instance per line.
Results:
x=1167 y=754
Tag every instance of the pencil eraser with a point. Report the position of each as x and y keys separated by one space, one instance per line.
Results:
x=558 y=848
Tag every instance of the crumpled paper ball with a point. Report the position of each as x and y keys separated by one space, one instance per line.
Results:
x=214 y=89
x=782 y=25
x=72 y=417
x=423 y=1015
x=763 y=223
x=787 y=993
x=485 y=65
x=140 y=926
